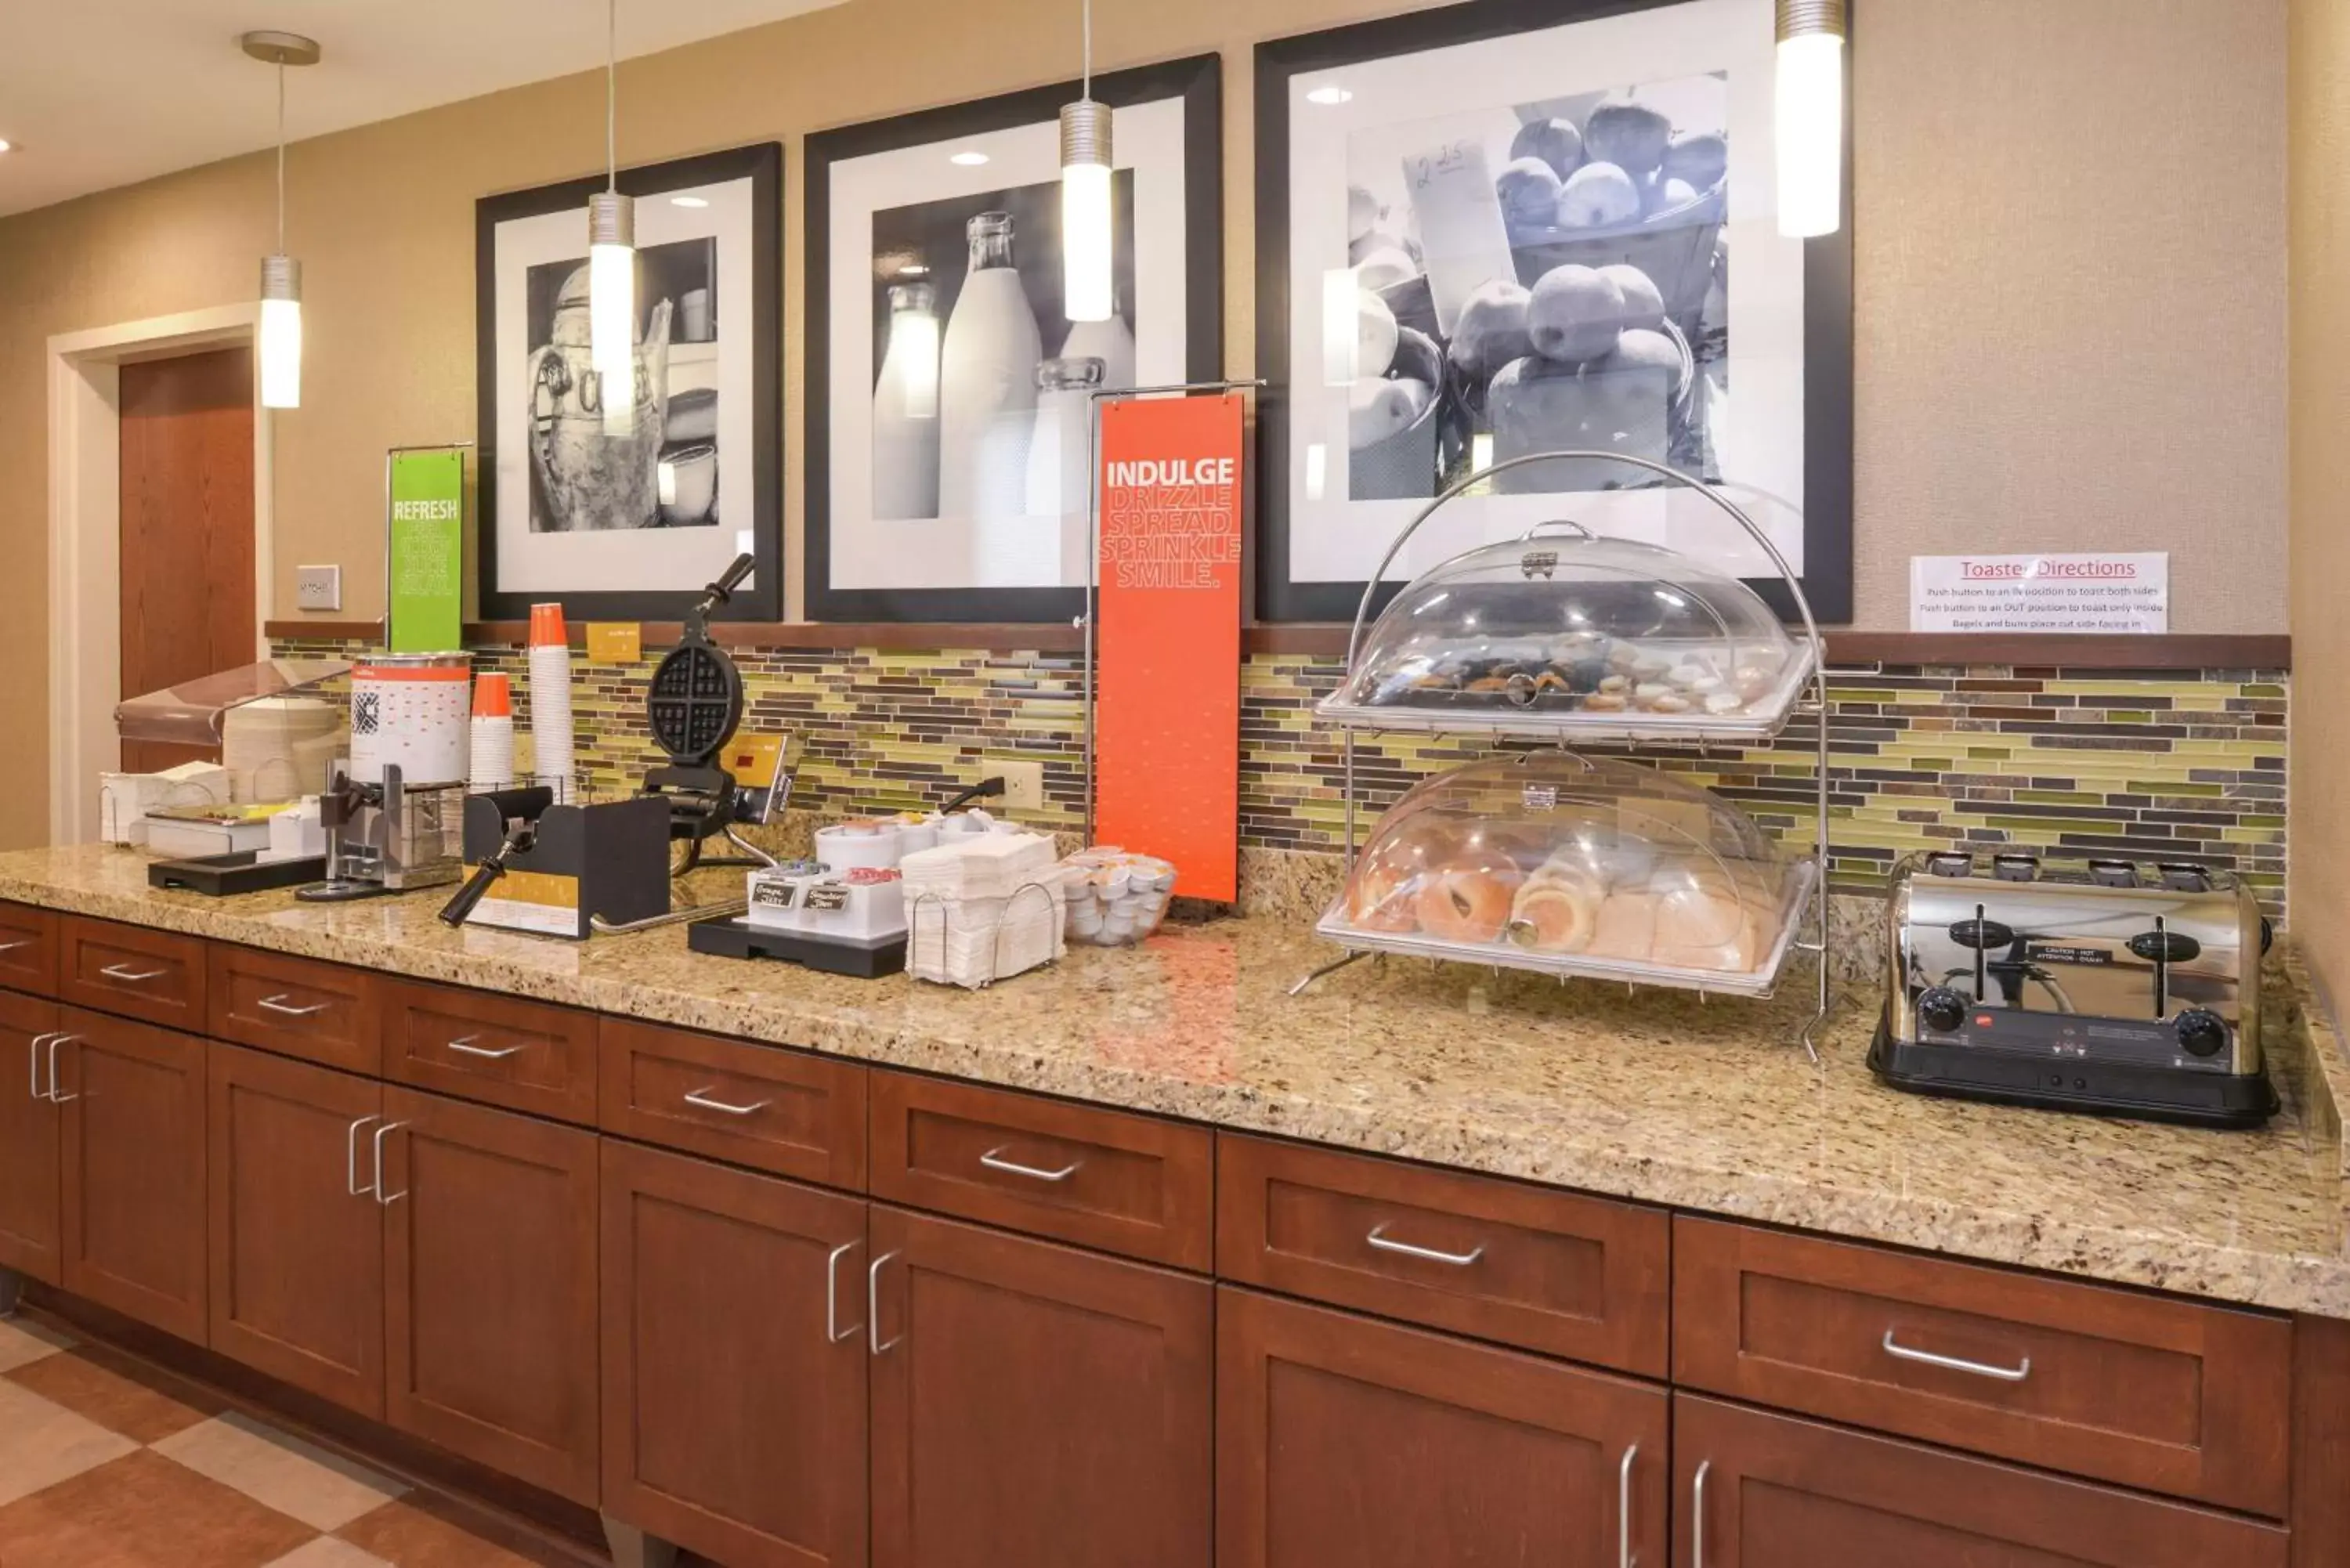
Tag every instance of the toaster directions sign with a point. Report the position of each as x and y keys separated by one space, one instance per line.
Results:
x=2126 y=592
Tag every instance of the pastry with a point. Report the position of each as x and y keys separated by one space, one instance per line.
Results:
x=1606 y=702
x=1386 y=886
x=1467 y=900
x=1625 y=930
x=1557 y=909
x=1671 y=702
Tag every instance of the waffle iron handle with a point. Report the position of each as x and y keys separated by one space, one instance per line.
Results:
x=723 y=590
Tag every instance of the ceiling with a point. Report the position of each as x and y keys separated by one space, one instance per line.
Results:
x=106 y=92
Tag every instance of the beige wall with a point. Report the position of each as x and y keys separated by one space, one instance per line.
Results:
x=2071 y=266
x=2319 y=787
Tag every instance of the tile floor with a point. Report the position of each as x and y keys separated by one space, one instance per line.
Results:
x=106 y=1462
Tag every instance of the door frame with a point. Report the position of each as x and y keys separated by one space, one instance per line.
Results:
x=85 y=537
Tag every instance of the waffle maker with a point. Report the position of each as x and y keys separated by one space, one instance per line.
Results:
x=2125 y=987
x=693 y=707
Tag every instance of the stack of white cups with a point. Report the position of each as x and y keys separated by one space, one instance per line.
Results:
x=550 y=700
x=493 y=736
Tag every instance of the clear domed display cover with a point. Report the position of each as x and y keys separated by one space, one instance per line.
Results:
x=1574 y=865
x=1565 y=634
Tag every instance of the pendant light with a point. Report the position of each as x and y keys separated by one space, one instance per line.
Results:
x=1085 y=228
x=1810 y=113
x=612 y=260
x=279 y=349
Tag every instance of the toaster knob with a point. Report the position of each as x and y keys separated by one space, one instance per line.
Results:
x=1942 y=1010
x=2201 y=1033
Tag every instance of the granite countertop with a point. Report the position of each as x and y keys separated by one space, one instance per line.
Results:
x=1655 y=1095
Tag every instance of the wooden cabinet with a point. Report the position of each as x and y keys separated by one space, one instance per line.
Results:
x=2148 y=1391
x=490 y=1287
x=1583 y=1278
x=735 y=1361
x=1110 y=1180
x=29 y=1139
x=298 y=1007
x=29 y=948
x=1761 y=1490
x=762 y=1105
x=1034 y=1405
x=294 y=1232
x=132 y=1186
x=1340 y=1440
x=140 y=972
x=524 y=1056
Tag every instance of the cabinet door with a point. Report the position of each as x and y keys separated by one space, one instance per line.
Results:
x=490 y=1287
x=1034 y=1405
x=1763 y=1491
x=735 y=1361
x=133 y=1186
x=29 y=1139
x=295 y=1234
x=1343 y=1439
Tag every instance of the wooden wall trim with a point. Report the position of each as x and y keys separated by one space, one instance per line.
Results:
x=2167 y=653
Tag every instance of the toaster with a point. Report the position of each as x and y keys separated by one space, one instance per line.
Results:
x=2121 y=986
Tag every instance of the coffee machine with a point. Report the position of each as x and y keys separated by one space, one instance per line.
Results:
x=388 y=836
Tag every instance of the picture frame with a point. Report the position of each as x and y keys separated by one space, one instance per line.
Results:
x=946 y=524
x=1385 y=121
x=632 y=526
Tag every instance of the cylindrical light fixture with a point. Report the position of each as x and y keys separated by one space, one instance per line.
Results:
x=1088 y=248
x=1810 y=117
x=279 y=347
x=612 y=260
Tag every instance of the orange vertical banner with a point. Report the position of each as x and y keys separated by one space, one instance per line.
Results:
x=1166 y=727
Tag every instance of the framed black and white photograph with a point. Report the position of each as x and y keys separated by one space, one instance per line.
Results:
x=948 y=394
x=626 y=515
x=1510 y=228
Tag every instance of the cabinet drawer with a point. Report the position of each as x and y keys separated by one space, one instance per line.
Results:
x=156 y=976
x=2168 y=1396
x=524 y=1055
x=297 y=1007
x=1101 y=1179
x=1583 y=1278
x=754 y=1104
x=29 y=948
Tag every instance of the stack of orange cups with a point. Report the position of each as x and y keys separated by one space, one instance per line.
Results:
x=494 y=735
x=550 y=700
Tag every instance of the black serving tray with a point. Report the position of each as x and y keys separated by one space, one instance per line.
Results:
x=733 y=935
x=224 y=876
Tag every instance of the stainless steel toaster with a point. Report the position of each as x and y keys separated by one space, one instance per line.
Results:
x=2125 y=986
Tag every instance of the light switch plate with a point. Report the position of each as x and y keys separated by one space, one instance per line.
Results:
x=1024 y=784
x=318 y=588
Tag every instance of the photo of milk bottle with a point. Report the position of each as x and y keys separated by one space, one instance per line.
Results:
x=906 y=409
x=1056 y=462
x=1110 y=342
x=987 y=383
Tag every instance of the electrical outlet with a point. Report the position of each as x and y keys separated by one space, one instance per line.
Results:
x=1024 y=784
x=318 y=588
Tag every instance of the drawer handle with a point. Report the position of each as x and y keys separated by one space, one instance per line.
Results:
x=1624 y=1507
x=55 y=1041
x=833 y=1332
x=1900 y=1352
x=351 y=1159
x=1378 y=1237
x=1697 y=1515
x=873 y=1306
x=33 y=1061
x=20 y=942
x=385 y=1199
x=129 y=976
x=700 y=1096
x=466 y=1047
x=993 y=1159
x=278 y=1004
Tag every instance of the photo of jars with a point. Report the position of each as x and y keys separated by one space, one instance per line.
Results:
x=982 y=384
x=1548 y=276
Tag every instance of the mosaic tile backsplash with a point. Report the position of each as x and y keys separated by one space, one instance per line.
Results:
x=2164 y=766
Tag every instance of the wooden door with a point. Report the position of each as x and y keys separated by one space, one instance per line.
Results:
x=735 y=1361
x=187 y=527
x=295 y=1234
x=29 y=1139
x=1036 y=1405
x=133 y=1176
x=490 y=1287
x=1779 y=1492
x=1343 y=1439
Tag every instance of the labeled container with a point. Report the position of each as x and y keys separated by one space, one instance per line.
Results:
x=410 y=711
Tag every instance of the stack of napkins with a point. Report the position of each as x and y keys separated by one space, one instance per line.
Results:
x=983 y=908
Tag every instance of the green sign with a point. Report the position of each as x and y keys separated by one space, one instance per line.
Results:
x=427 y=564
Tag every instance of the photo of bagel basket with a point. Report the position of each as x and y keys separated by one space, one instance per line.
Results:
x=1557 y=862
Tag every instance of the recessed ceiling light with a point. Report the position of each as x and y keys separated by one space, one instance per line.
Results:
x=688 y=200
x=1332 y=94
x=969 y=160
